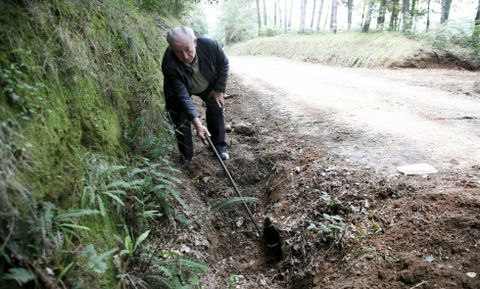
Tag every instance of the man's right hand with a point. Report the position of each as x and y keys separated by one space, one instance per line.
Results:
x=202 y=131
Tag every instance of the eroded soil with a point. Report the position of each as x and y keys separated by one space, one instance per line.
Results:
x=342 y=224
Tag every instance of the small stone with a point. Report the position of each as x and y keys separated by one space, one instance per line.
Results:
x=228 y=128
x=471 y=274
x=239 y=222
x=263 y=283
x=184 y=249
x=429 y=258
x=244 y=128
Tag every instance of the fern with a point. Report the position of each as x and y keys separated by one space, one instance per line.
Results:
x=75 y=214
x=174 y=273
x=20 y=275
x=46 y=220
x=147 y=142
x=141 y=239
x=111 y=170
x=112 y=195
x=120 y=184
x=220 y=205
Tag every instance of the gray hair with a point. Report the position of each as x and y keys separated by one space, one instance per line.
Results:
x=181 y=30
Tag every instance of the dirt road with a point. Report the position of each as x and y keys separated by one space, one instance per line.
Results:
x=381 y=118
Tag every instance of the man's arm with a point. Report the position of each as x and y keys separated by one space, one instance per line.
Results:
x=182 y=97
x=222 y=67
x=202 y=131
x=186 y=105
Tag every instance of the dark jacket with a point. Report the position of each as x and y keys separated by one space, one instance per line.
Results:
x=213 y=64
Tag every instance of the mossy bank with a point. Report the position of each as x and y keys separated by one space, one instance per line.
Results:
x=82 y=136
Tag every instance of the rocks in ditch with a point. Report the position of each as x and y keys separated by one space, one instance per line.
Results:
x=244 y=128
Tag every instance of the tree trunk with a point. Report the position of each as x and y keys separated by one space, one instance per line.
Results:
x=428 y=14
x=349 y=18
x=313 y=13
x=363 y=14
x=368 y=18
x=446 y=4
x=264 y=13
x=392 y=26
x=413 y=13
x=320 y=10
x=406 y=15
x=326 y=16
x=477 y=18
x=381 y=15
x=333 y=22
x=279 y=13
x=290 y=16
x=476 y=29
x=303 y=10
x=258 y=17
x=285 y=16
x=275 y=13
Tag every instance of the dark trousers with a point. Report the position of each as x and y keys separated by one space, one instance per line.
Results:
x=215 y=125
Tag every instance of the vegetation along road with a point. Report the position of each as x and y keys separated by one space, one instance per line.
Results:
x=381 y=118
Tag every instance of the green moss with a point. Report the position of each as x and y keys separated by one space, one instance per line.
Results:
x=83 y=72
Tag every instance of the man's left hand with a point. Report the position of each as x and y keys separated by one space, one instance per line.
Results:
x=218 y=96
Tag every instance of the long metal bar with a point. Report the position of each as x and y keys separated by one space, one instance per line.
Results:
x=234 y=185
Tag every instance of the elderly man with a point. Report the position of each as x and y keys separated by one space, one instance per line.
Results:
x=195 y=66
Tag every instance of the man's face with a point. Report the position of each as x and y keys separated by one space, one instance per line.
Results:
x=184 y=48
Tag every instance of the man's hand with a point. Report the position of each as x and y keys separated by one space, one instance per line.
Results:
x=202 y=131
x=218 y=96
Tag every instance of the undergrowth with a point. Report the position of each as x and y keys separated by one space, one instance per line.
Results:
x=380 y=49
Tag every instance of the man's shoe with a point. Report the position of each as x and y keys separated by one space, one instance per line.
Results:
x=185 y=162
x=225 y=156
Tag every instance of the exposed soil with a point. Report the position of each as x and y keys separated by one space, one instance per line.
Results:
x=343 y=223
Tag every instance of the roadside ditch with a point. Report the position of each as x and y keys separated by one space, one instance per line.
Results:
x=341 y=225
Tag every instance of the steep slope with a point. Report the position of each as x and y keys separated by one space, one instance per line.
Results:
x=81 y=89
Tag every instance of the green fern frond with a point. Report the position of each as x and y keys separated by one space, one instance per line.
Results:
x=115 y=197
x=182 y=264
x=119 y=184
x=75 y=214
x=46 y=219
x=140 y=239
x=111 y=170
x=220 y=205
x=177 y=197
x=147 y=142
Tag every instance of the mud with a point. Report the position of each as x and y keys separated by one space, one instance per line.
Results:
x=342 y=225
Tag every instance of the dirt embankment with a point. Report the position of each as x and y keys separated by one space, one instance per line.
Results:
x=341 y=225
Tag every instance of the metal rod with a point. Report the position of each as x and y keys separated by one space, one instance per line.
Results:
x=234 y=185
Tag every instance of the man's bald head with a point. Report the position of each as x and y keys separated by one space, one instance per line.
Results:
x=183 y=43
x=182 y=31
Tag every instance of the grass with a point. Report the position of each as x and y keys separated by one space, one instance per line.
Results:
x=357 y=49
